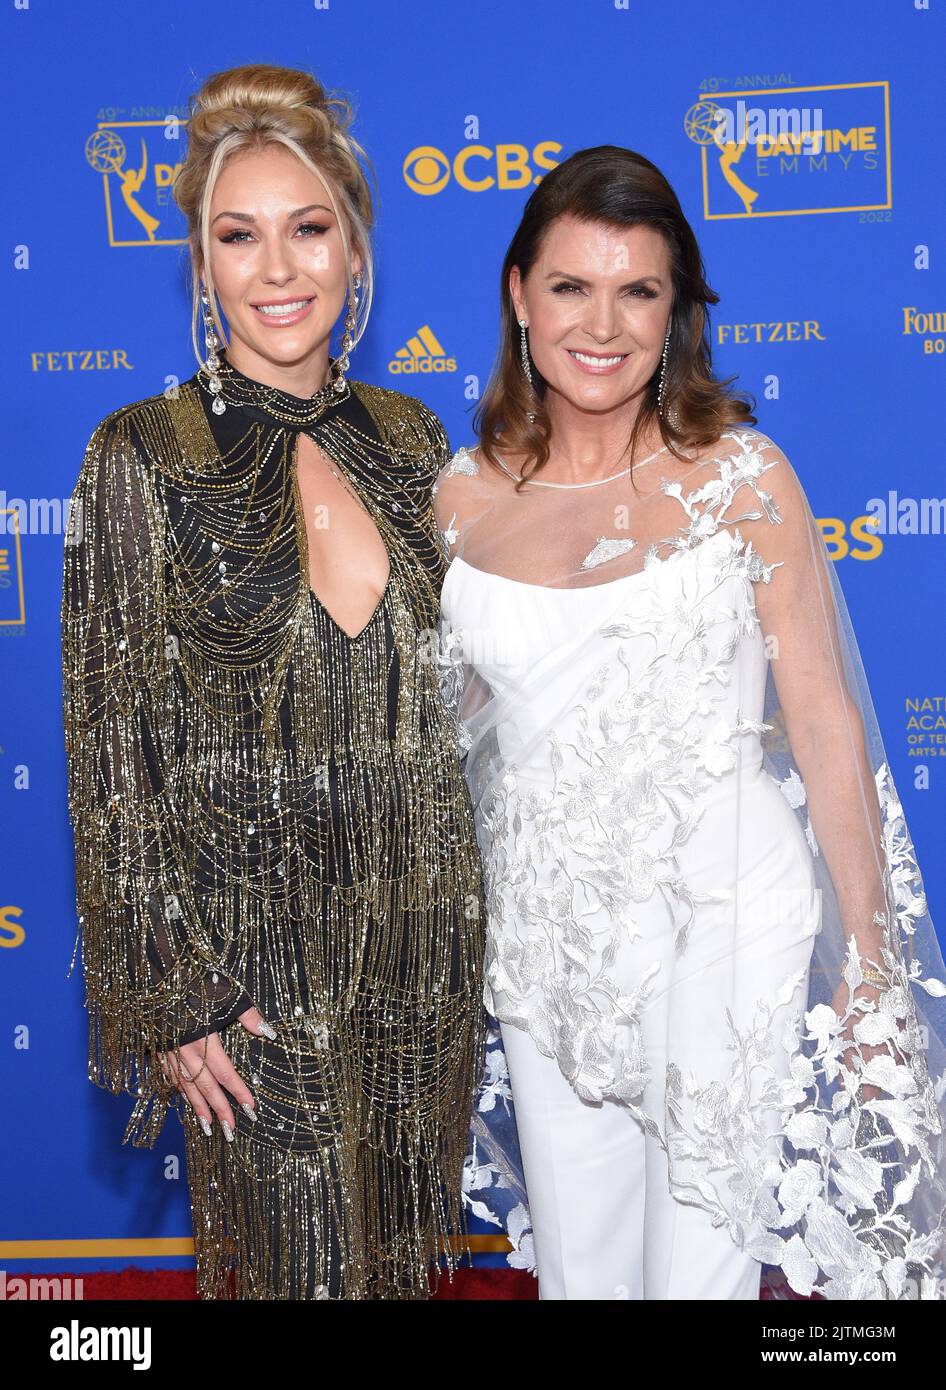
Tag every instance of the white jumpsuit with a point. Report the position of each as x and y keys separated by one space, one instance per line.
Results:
x=648 y=881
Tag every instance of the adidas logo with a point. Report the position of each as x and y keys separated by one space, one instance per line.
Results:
x=422 y=353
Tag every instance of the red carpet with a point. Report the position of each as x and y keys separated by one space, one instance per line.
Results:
x=150 y=1285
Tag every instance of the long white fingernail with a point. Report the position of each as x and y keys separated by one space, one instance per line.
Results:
x=248 y=1109
x=267 y=1030
x=228 y=1132
x=205 y=1125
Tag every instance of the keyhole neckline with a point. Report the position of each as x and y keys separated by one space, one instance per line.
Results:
x=303 y=537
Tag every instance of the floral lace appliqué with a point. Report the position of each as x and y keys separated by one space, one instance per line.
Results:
x=804 y=1184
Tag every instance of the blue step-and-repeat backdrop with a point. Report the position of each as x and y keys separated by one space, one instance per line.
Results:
x=830 y=265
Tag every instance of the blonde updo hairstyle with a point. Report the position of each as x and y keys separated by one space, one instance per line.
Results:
x=248 y=108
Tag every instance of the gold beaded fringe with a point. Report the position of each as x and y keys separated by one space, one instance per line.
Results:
x=267 y=810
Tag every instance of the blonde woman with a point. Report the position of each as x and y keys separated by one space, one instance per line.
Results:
x=277 y=877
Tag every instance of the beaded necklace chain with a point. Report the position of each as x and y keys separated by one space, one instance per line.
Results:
x=229 y=385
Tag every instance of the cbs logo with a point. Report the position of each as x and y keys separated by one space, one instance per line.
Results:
x=478 y=168
x=835 y=535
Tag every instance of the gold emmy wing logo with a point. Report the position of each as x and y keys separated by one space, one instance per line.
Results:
x=136 y=182
x=791 y=151
x=422 y=353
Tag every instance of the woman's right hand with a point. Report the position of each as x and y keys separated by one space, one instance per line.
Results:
x=201 y=1069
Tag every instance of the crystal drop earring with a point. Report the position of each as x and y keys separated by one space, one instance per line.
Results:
x=672 y=415
x=524 y=343
x=348 y=337
x=212 y=361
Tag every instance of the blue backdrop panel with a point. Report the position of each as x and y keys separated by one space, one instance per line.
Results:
x=828 y=258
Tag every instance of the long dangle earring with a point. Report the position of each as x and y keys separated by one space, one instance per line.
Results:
x=212 y=362
x=348 y=337
x=673 y=415
x=524 y=343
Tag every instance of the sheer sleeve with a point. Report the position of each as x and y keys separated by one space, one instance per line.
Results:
x=459 y=501
x=872 y=1059
x=820 y=708
x=153 y=978
x=457 y=497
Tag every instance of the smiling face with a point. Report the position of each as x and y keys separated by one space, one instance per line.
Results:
x=597 y=303
x=278 y=263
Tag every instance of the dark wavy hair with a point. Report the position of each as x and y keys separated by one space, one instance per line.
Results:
x=623 y=189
